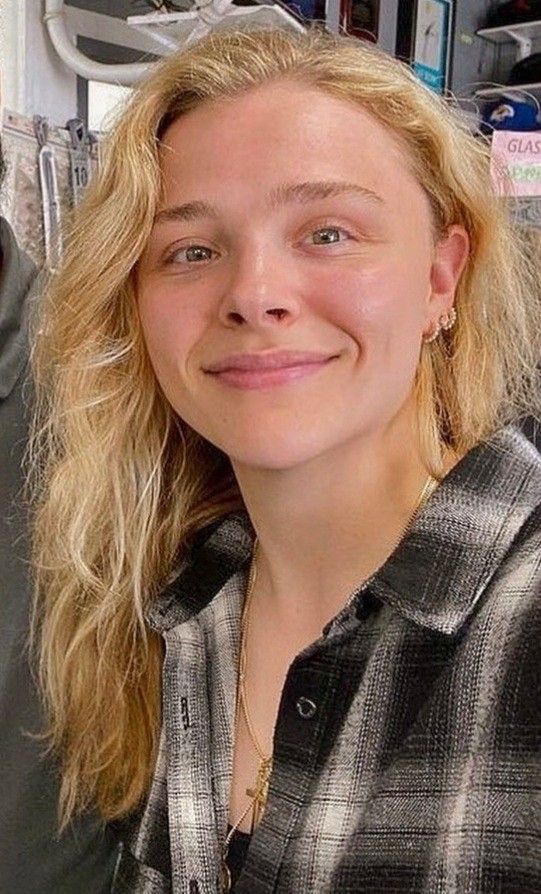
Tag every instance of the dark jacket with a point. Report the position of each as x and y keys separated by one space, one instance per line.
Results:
x=32 y=860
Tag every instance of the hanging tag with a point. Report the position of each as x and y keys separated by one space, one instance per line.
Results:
x=516 y=162
x=79 y=158
x=50 y=198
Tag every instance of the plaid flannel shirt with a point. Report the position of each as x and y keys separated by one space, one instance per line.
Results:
x=418 y=771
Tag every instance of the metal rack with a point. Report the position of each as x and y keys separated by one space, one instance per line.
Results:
x=176 y=29
x=522 y=35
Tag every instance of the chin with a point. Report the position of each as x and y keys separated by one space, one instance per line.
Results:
x=274 y=453
x=267 y=463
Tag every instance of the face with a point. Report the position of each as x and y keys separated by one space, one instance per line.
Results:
x=290 y=275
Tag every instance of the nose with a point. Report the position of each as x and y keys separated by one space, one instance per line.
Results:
x=260 y=294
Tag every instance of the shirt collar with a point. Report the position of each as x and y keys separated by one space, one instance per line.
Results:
x=219 y=551
x=437 y=574
x=439 y=570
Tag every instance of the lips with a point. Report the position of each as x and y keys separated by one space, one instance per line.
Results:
x=274 y=360
x=269 y=369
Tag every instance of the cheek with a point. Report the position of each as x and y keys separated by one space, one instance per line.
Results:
x=170 y=326
x=374 y=303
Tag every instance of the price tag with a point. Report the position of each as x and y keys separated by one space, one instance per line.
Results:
x=79 y=158
x=516 y=162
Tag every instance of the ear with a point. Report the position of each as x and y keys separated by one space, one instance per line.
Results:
x=450 y=256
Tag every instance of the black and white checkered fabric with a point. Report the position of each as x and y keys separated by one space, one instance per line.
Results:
x=419 y=770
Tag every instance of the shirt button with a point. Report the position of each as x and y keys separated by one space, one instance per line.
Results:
x=306 y=708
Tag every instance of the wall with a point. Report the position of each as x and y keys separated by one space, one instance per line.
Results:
x=473 y=57
x=35 y=81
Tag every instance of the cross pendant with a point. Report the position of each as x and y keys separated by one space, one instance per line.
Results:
x=260 y=791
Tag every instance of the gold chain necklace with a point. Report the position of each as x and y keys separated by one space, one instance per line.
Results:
x=258 y=794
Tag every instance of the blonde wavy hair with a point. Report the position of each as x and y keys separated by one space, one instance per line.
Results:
x=120 y=484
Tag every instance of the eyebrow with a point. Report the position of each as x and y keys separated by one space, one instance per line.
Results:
x=302 y=193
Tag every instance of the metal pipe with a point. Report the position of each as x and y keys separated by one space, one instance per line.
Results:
x=55 y=21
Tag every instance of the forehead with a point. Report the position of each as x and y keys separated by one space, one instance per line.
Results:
x=283 y=132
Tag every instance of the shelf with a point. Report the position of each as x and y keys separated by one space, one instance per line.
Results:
x=175 y=29
x=494 y=92
x=523 y=34
x=510 y=33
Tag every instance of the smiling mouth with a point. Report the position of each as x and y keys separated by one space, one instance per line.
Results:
x=259 y=371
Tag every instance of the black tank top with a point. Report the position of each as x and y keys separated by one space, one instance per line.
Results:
x=236 y=854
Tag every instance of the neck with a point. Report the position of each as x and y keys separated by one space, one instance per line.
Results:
x=326 y=525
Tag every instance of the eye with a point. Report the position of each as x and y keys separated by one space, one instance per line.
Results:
x=329 y=235
x=191 y=254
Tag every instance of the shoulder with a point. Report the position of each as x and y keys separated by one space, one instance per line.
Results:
x=515 y=589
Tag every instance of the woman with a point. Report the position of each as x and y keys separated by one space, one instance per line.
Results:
x=287 y=540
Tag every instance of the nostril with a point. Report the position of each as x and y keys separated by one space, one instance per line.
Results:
x=236 y=317
x=278 y=312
